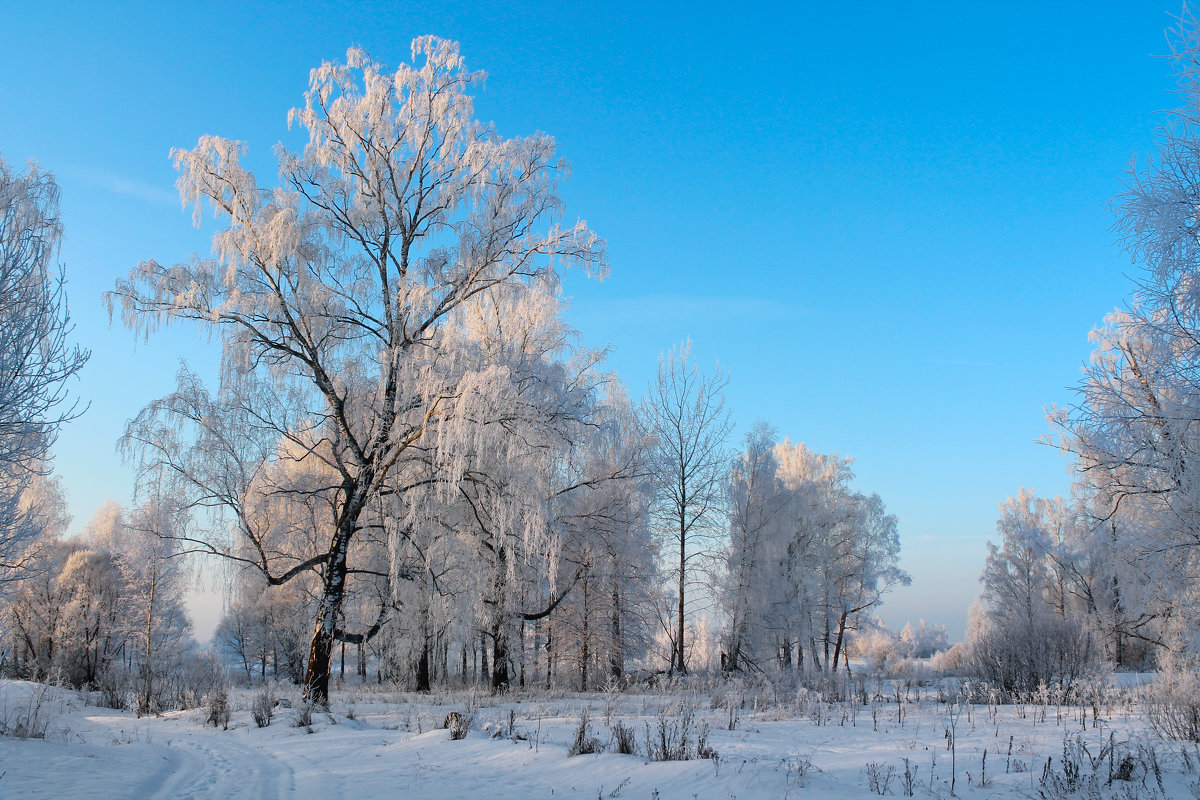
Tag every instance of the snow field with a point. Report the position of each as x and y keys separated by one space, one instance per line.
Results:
x=384 y=744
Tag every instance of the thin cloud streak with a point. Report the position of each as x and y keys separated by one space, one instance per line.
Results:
x=126 y=187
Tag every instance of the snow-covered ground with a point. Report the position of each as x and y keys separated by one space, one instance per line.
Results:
x=377 y=744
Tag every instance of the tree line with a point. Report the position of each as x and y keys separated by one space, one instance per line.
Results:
x=1109 y=575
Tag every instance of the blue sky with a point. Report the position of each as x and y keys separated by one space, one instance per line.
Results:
x=889 y=222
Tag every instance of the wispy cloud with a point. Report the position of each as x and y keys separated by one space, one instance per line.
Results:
x=127 y=187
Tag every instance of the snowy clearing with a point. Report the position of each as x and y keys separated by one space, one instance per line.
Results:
x=376 y=744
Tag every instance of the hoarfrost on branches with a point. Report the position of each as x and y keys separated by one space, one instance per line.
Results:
x=342 y=295
x=36 y=358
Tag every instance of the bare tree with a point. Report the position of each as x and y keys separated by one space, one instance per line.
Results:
x=36 y=358
x=684 y=411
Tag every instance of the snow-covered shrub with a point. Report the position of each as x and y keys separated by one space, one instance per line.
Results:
x=729 y=691
x=585 y=743
x=1016 y=656
x=28 y=719
x=304 y=716
x=623 y=738
x=886 y=653
x=908 y=781
x=1173 y=705
x=263 y=707
x=671 y=739
x=113 y=690
x=458 y=724
x=703 y=748
x=913 y=671
x=879 y=777
x=796 y=769
x=953 y=661
x=218 y=709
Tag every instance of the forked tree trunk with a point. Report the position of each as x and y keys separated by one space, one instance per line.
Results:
x=816 y=656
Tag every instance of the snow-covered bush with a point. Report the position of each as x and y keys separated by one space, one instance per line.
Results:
x=28 y=719
x=1173 y=705
x=458 y=724
x=585 y=743
x=304 y=717
x=914 y=671
x=879 y=777
x=953 y=661
x=1020 y=658
x=218 y=709
x=672 y=737
x=263 y=707
x=624 y=739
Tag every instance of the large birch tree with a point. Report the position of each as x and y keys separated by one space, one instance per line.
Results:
x=333 y=293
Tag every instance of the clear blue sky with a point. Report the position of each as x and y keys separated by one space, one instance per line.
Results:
x=890 y=222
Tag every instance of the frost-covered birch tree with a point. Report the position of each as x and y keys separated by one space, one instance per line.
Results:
x=335 y=293
x=755 y=500
x=36 y=356
x=1028 y=633
x=1133 y=429
x=807 y=556
x=601 y=513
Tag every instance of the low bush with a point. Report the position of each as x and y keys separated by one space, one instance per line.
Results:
x=263 y=707
x=585 y=743
x=1173 y=706
x=458 y=724
x=218 y=709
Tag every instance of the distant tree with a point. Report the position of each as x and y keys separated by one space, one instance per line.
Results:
x=684 y=413
x=923 y=640
x=866 y=560
x=154 y=578
x=755 y=500
x=807 y=556
x=1025 y=636
x=36 y=356
x=1016 y=578
x=242 y=634
x=840 y=554
x=602 y=516
x=106 y=611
